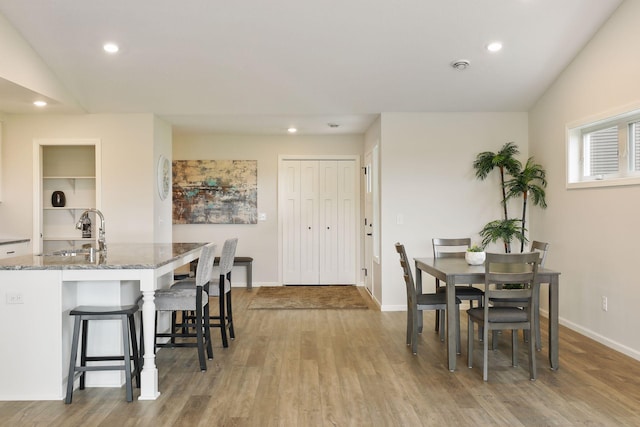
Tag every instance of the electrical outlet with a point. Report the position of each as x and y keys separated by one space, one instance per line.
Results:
x=14 y=298
x=604 y=303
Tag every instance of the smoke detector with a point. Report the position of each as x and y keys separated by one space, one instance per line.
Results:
x=460 y=64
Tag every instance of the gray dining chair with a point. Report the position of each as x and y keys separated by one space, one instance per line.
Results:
x=502 y=269
x=416 y=303
x=220 y=287
x=541 y=248
x=194 y=299
x=455 y=248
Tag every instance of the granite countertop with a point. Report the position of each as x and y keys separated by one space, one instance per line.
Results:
x=12 y=241
x=117 y=256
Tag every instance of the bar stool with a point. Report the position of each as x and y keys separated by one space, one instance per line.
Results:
x=82 y=316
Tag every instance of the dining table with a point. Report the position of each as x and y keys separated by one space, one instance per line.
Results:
x=454 y=271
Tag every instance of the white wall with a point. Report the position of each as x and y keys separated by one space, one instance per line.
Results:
x=128 y=170
x=592 y=232
x=257 y=240
x=162 y=137
x=427 y=177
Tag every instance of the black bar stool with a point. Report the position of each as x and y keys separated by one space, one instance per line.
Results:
x=84 y=314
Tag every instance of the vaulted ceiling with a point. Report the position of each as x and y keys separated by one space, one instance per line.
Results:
x=254 y=66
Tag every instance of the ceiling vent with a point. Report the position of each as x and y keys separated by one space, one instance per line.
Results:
x=460 y=64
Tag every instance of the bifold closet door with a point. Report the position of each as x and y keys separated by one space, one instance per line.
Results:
x=318 y=241
x=328 y=232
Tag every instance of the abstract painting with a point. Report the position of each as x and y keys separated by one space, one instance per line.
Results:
x=215 y=192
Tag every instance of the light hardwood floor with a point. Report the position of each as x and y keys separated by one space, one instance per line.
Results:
x=352 y=368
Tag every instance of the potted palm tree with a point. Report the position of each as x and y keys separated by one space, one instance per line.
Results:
x=530 y=181
x=526 y=181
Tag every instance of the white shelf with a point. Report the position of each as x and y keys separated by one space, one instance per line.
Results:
x=68 y=208
x=68 y=177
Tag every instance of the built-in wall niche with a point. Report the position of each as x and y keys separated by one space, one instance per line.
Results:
x=70 y=167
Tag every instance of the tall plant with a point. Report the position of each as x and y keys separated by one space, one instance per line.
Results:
x=530 y=181
x=506 y=162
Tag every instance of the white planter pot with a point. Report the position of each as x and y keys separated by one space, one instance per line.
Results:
x=475 y=258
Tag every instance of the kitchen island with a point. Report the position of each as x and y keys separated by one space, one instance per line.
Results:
x=38 y=291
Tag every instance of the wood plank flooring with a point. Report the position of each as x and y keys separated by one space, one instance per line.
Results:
x=352 y=368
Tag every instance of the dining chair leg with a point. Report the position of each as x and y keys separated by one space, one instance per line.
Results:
x=232 y=333
x=207 y=332
x=458 y=350
x=127 y=357
x=414 y=331
x=485 y=353
x=537 y=328
x=409 y=320
x=200 y=339
x=514 y=347
x=470 y=336
x=223 y=317
x=442 y=328
x=532 y=361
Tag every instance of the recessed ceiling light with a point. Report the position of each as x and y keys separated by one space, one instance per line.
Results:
x=292 y=130
x=111 y=47
x=494 y=46
x=40 y=103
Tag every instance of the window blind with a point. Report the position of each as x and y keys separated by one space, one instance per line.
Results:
x=602 y=148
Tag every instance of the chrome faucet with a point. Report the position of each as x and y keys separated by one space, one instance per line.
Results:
x=102 y=244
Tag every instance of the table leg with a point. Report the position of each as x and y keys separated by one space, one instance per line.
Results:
x=553 y=322
x=451 y=323
x=149 y=374
x=418 y=292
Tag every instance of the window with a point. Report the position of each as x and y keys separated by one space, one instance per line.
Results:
x=634 y=158
x=604 y=152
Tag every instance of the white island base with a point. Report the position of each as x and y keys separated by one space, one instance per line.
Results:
x=37 y=294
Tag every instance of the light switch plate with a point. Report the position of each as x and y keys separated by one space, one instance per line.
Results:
x=14 y=298
x=262 y=216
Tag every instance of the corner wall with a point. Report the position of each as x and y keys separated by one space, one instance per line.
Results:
x=428 y=184
x=592 y=232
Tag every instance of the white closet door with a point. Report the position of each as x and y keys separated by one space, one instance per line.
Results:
x=291 y=222
x=347 y=180
x=328 y=230
x=309 y=239
x=319 y=222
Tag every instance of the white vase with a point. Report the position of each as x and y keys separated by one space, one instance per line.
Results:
x=475 y=258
